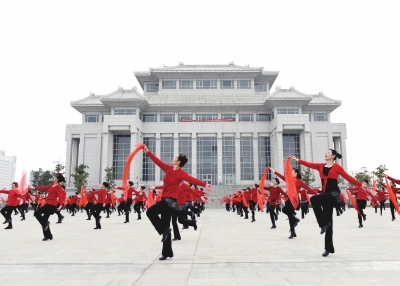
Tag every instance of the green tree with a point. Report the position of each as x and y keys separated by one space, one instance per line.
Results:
x=109 y=178
x=80 y=176
x=364 y=174
x=46 y=178
x=36 y=177
x=378 y=173
x=307 y=176
x=59 y=169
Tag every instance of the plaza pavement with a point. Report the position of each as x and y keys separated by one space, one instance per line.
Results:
x=225 y=250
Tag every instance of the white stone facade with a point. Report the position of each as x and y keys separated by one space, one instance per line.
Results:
x=276 y=123
x=7 y=170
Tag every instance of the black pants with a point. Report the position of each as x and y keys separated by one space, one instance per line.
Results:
x=392 y=209
x=288 y=210
x=128 y=204
x=138 y=206
x=73 y=209
x=96 y=210
x=228 y=207
x=382 y=205
x=108 y=209
x=120 y=208
x=88 y=209
x=34 y=206
x=272 y=213
x=240 y=208
x=246 y=211
x=361 y=206
x=42 y=215
x=162 y=224
x=22 y=208
x=323 y=209
x=58 y=213
x=6 y=212
x=252 y=208
x=304 y=208
x=233 y=207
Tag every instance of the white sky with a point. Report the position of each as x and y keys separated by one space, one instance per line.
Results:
x=55 y=52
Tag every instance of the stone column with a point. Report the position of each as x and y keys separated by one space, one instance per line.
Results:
x=194 y=156
x=219 y=158
x=237 y=158
x=255 y=156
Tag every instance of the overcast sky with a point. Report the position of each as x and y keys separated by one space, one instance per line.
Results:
x=55 y=52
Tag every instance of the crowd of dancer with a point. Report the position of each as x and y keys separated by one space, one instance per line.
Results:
x=182 y=199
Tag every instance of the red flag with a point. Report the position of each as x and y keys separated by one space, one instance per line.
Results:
x=261 y=197
x=392 y=196
x=150 y=199
x=291 y=185
x=127 y=168
x=113 y=198
x=353 y=201
x=83 y=196
x=245 y=202
x=22 y=186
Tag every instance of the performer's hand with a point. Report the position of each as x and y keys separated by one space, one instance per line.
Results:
x=152 y=187
x=145 y=149
x=293 y=158
x=209 y=188
x=272 y=169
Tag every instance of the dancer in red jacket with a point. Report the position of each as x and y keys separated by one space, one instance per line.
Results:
x=55 y=193
x=128 y=200
x=174 y=175
x=361 y=199
x=274 y=199
x=12 y=203
x=324 y=203
x=101 y=200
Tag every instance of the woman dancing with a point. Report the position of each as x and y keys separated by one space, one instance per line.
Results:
x=324 y=203
x=55 y=195
x=12 y=203
x=273 y=200
x=174 y=175
x=361 y=199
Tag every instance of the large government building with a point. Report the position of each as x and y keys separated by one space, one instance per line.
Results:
x=7 y=170
x=223 y=117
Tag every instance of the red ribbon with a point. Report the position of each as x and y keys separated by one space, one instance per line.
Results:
x=291 y=185
x=392 y=196
x=127 y=168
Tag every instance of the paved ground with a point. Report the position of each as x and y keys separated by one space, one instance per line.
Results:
x=225 y=250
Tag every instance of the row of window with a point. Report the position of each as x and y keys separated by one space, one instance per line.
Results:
x=170 y=117
x=206 y=84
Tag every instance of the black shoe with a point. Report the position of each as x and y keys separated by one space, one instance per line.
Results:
x=324 y=228
x=22 y=219
x=292 y=234
x=126 y=221
x=6 y=221
x=47 y=238
x=165 y=235
x=364 y=217
x=139 y=218
x=58 y=222
x=97 y=227
x=195 y=224
x=61 y=219
x=88 y=219
x=9 y=227
x=175 y=239
x=326 y=253
x=393 y=218
x=164 y=257
x=253 y=219
x=185 y=227
x=246 y=218
x=296 y=222
x=274 y=226
x=360 y=226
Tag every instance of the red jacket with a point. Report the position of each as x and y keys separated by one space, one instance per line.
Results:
x=140 y=197
x=131 y=191
x=13 y=197
x=247 y=195
x=101 y=195
x=74 y=199
x=54 y=192
x=91 y=198
x=28 y=197
x=173 y=178
x=335 y=171
x=360 y=193
x=121 y=200
x=303 y=192
x=381 y=195
x=274 y=193
x=108 y=200
x=183 y=190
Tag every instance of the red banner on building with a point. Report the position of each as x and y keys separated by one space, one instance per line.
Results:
x=209 y=120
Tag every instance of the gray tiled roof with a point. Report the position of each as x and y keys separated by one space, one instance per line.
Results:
x=291 y=93
x=123 y=94
x=92 y=99
x=322 y=99
x=207 y=68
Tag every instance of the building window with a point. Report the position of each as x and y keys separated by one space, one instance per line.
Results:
x=228 y=161
x=140 y=116
x=245 y=117
x=227 y=84
x=320 y=117
x=149 y=168
x=185 y=84
x=206 y=148
x=228 y=115
x=167 y=117
x=121 y=149
x=149 y=117
x=288 y=111
x=243 y=84
x=185 y=147
x=91 y=118
x=166 y=151
x=124 y=111
x=246 y=159
x=260 y=86
x=201 y=117
x=152 y=87
x=263 y=117
x=291 y=146
x=206 y=84
x=264 y=155
x=169 y=84
x=185 y=117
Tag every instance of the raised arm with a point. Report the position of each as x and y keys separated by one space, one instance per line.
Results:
x=280 y=175
x=393 y=180
x=347 y=177
x=158 y=162
x=4 y=192
x=42 y=188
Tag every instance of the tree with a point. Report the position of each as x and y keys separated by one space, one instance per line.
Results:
x=378 y=173
x=46 y=178
x=364 y=174
x=59 y=169
x=80 y=176
x=36 y=177
x=109 y=178
x=307 y=176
